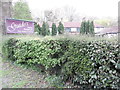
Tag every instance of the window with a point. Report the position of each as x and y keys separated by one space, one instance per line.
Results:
x=78 y=29
x=67 y=29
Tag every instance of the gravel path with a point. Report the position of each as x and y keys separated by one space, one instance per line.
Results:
x=14 y=76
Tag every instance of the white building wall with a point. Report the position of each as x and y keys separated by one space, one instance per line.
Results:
x=73 y=29
x=97 y=30
x=50 y=30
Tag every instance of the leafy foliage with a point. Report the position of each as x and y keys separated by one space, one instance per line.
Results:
x=38 y=29
x=87 y=27
x=45 y=29
x=91 y=27
x=60 y=28
x=54 y=29
x=21 y=11
x=55 y=81
x=82 y=29
x=8 y=49
x=94 y=63
x=46 y=53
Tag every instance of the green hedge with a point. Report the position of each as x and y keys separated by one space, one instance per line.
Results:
x=93 y=63
x=8 y=49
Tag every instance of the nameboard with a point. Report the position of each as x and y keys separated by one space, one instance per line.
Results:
x=19 y=26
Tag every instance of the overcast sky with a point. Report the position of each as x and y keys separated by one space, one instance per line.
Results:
x=97 y=8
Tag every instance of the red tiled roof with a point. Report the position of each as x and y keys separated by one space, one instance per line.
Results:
x=66 y=24
x=71 y=24
x=49 y=23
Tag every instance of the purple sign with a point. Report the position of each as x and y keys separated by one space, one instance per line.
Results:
x=19 y=26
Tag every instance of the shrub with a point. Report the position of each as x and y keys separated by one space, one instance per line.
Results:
x=87 y=27
x=37 y=28
x=60 y=28
x=55 y=81
x=46 y=53
x=54 y=29
x=92 y=63
x=8 y=49
x=45 y=29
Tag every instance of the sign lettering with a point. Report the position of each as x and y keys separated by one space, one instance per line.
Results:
x=19 y=26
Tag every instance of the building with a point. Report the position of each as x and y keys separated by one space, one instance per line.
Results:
x=74 y=27
x=110 y=32
x=98 y=28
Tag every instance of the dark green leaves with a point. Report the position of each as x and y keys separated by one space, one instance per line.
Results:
x=94 y=63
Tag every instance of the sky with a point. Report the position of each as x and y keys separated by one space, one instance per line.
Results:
x=95 y=8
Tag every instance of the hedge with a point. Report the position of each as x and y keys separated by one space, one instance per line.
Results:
x=92 y=63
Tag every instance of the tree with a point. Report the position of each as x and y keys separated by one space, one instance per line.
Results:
x=38 y=28
x=91 y=28
x=52 y=15
x=107 y=21
x=69 y=13
x=21 y=11
x=82 y=28
x=48 y=15
x=54 y=29
x=66 y=13
x=60 y=28
x=45 y=29
x=87 y=27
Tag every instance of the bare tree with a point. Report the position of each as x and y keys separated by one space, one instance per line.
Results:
x=52 y=15
x=48 y=15
x=66 y=13
x=70 y=13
